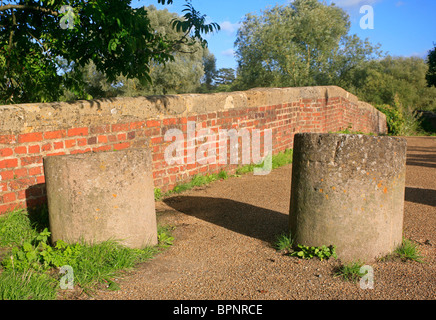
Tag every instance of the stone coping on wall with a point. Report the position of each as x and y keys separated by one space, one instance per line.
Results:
x=30 y=117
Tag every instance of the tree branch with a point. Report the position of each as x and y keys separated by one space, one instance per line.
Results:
x=26 y=7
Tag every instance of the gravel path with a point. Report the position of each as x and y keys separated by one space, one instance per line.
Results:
x=223 y=245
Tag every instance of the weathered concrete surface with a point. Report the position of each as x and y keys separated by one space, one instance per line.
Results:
x=96 y=197
x=348 y=191
x=32 y=117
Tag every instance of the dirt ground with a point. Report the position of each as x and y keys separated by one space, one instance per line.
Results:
x=223 y=245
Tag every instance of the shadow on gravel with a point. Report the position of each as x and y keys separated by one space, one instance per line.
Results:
x=423 y=196
x=246 y=219
x=426 y=157
x=422 y=160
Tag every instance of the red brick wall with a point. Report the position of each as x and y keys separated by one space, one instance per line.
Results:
x=21 y=154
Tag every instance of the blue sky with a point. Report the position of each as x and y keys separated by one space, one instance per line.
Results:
x=402 y=27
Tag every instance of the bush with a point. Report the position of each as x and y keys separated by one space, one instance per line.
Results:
x=400 y=121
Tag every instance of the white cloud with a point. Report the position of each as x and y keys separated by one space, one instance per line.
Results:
x=229 y=27
x=228 y=53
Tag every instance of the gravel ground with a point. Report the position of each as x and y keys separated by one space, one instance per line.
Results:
x=223 y=235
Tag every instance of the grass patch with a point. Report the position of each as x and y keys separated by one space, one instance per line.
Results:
x=28 y=285
x=278 y=160
x=350 y=271
x=30 y=268
x=16 y=227
x=198 y=180
x=408 y=250
x=283 y=243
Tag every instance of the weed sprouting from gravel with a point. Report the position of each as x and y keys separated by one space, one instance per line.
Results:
x=350 y=271
x=409 y=251
x=283 y=243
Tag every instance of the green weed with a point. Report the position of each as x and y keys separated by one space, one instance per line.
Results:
x=277 y=160
x=408 y=251
x=157 y=194
x=223 y=175
x=350 y=271
x=307 y=252
x=283 y=243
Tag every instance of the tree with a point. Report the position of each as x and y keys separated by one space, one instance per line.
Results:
x=224 y=80
x=394 y=81
x=301 y=44
x=431 y=73
x=181 y=75
x=210 y=72
x=119 y=40
x=225 y=76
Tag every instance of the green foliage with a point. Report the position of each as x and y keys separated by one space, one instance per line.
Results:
x=393 y=81
x=283 y=243
x=400 y=122
x=157 y=194
x=350 y=271
x=282 y=158
x=225 y=76
x=307 y=43
x=194 y=23
x=431 y=72
x=209 y=63
x=223 y=175
x=30 y=262
x=200 y=180
x=38 y=255
x=28 y=285
x=40 y=56
x=180 y=75
x=197 y=181
x=426 y=124
x=165 y=238
x=394 y=118
x=303 y=43
x=306 y=252
x=408 y=251
x=277 y=160
x=15 y=228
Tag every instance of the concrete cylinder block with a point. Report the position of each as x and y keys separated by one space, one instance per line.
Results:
x=94 y=197
x=348 y=191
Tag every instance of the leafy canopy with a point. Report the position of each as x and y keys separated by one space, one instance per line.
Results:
x=180 y=75
x=431 y=73
x=300 y=44
x=39 y=40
